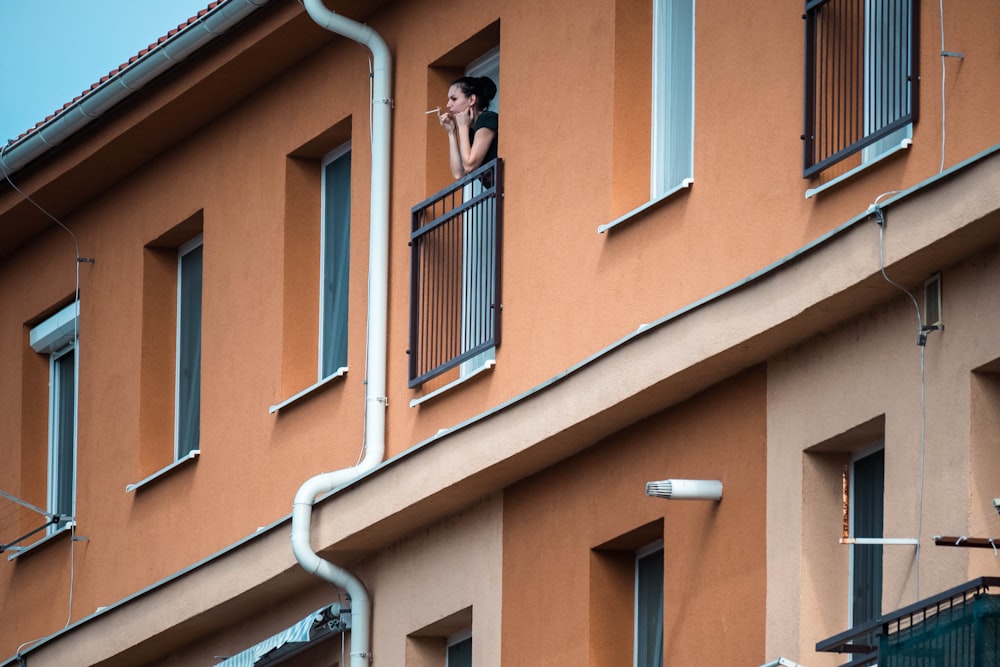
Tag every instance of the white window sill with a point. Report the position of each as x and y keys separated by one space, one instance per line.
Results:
x=341 y=372
x=451 y=385
x=903 y=145
x=18 y=552
x=190 y=456
x=652 y=203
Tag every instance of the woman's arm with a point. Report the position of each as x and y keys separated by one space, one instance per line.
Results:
x=464 y=157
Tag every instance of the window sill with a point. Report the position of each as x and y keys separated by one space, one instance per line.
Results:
x=451 y=385
x=341 y=372
x=903 y=145
x=159 y=474
x=18 y=552
x=652 y=203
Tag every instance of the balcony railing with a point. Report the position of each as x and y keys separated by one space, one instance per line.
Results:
x=455 y=239
x=957 y=628
x=861 y=76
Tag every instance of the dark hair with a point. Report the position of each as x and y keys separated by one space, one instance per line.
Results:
x=481 y=86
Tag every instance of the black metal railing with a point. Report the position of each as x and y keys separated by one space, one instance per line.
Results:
x=860 y=75
x=959 y=627
x=455 y=273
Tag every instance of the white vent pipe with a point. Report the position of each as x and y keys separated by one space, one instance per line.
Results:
x=686 y=489
x=378 y=288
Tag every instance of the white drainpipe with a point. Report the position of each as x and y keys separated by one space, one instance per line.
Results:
x=378 y=288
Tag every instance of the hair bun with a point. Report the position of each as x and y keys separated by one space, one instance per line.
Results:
x=486 y=88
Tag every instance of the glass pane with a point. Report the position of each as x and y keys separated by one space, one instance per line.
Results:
x=867 y=509
x=673 y=106
x=460 y=654
x=336 y=264
x=189 y=352
x=62 y=453
x=649 y=610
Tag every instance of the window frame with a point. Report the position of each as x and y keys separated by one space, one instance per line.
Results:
x=650 y=551
x=853 y=563
x=186 y=441
x=58 y=337
x=329 y=219
x=672 y=125
x=454 y=640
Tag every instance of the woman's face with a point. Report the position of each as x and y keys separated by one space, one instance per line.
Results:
x=458 y=102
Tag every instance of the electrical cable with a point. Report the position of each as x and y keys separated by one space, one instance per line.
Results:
x=943 y=74
x=76 y=370
x=921 y=343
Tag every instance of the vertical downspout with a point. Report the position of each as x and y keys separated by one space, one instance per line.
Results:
x=376 y=344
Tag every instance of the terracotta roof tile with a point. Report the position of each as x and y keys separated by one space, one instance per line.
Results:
x=124 y=66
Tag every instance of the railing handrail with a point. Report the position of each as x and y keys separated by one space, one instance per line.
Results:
x=457 y=185
x=839 y=642
x=455 y=269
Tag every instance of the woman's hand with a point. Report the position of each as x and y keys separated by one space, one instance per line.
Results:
x=464 y=119
x=447 y=122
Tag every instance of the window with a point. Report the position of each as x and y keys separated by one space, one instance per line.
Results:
x=861 y=79
x=673 y=101
x=335 y=261
x=455 y=264
x=649 y=606
x=459 y=652
x=479 y=239
x=867 y=484
x=57 y=338
x=188 y=374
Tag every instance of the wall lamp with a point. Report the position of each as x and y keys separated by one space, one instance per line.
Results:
x=686 y=489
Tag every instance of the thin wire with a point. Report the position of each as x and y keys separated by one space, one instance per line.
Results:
x=923 y=398
x=72 y=571
x=943 y=74
x=76 y=369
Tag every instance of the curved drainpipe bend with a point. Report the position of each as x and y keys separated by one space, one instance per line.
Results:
x=375 y=371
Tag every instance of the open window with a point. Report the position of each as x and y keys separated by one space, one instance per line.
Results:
x=455 y=243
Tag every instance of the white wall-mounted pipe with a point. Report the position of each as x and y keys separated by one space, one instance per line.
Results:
x=376 y=344
x=127 y=81
x=686 y=489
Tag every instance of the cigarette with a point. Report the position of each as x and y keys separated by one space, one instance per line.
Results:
x=434 y=110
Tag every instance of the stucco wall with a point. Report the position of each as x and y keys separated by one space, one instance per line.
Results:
x=854 y=388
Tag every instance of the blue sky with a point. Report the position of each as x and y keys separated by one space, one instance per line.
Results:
x=55 y=49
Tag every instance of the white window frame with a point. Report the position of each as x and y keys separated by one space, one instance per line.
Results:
x=672 y=122
x=179 y=361
x=673 y=97
x=640 y=554
x=57 y=336
x=487 y=64
x=325 y=223
x=855 y=457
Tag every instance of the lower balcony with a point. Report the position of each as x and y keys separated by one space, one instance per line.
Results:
x=957 y=628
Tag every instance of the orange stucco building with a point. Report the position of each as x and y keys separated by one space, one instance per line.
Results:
x=246 y=305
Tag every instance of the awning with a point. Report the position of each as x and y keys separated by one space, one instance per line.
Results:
x=321 y=624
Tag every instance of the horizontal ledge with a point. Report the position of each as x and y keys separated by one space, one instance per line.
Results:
x=341 y=372
x=454 y=383
x=190 y=456
x=684 y=185
x=879 y=540
x=963 y=541
x=17 y=552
